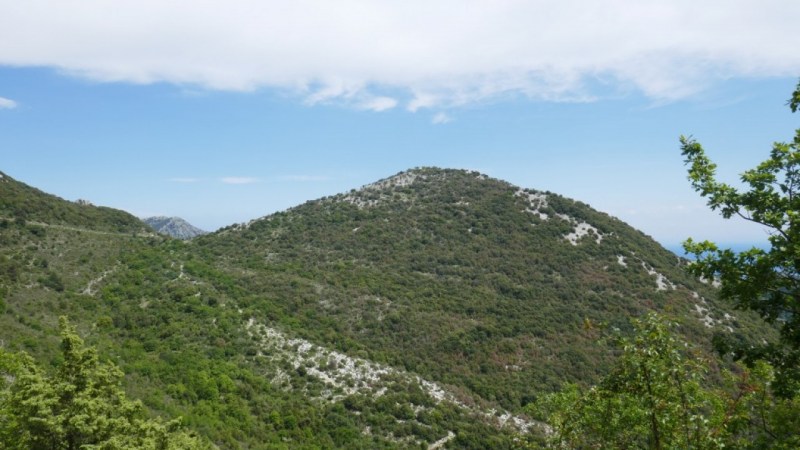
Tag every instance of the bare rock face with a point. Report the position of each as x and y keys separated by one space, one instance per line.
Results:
x=173 y=226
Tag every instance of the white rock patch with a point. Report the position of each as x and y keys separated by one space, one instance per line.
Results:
x=705 y=317
x=536 y=201
x=525 y=426
x=583 y=229
x=705 y=314
x=441 y=442
x=375 y=193
x=349 y=375
x=662 y=283
x=337 y=370
x=399 y=180
x=621 y=261
x=697 y=296
x=90 y=287
x=360 y=202
x=580 y=230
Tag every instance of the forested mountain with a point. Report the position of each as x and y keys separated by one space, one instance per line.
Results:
x=173 y=226
x=465 y=279
x=427 y=308
x=21 y=202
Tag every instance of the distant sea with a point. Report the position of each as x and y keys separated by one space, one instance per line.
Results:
x=737 y=247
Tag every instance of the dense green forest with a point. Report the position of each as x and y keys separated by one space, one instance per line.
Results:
x=435 y=307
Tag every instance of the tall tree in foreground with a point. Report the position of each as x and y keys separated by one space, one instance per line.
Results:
x=653 y=398
x=80 y=406
x=657 y=397
x=765 y=281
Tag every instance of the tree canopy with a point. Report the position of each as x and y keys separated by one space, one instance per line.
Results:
x=657 y=397
x=763 y=280
x=80 y=406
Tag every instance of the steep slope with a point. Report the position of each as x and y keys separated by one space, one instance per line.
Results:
x=495 y=290
x=54 y=257
x=22 y=202
x=173 y=226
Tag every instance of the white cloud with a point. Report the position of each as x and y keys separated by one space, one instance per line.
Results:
x=331 y=91
x=422 y=100
x=238 y=180
x=441 y=118
x=421 y=53
x=7 y=103
x=378 y=104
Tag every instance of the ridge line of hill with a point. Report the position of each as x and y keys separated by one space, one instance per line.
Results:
x=81 y=229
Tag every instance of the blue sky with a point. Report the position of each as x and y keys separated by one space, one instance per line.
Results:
x=227 y=114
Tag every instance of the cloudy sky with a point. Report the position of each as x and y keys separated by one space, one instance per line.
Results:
x=220 y=112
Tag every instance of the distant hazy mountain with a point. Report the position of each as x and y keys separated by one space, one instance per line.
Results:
x=173 y=226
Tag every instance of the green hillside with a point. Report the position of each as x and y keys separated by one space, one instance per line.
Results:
x=465 y=279
x=430 y=306
x=22 y=202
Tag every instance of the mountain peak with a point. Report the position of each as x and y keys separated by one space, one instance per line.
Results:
x=416 y=183
x=173 y=226
x=407 y=177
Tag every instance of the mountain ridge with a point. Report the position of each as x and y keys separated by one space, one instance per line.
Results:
x=23 y=202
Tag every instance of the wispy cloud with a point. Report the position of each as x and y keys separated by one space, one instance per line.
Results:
x=441 y=118
x=7 y=103
x=437 y=54
x=184 y=180
x=422 y=100
x=239 y=180
x=378 y=104
x=304 y=178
